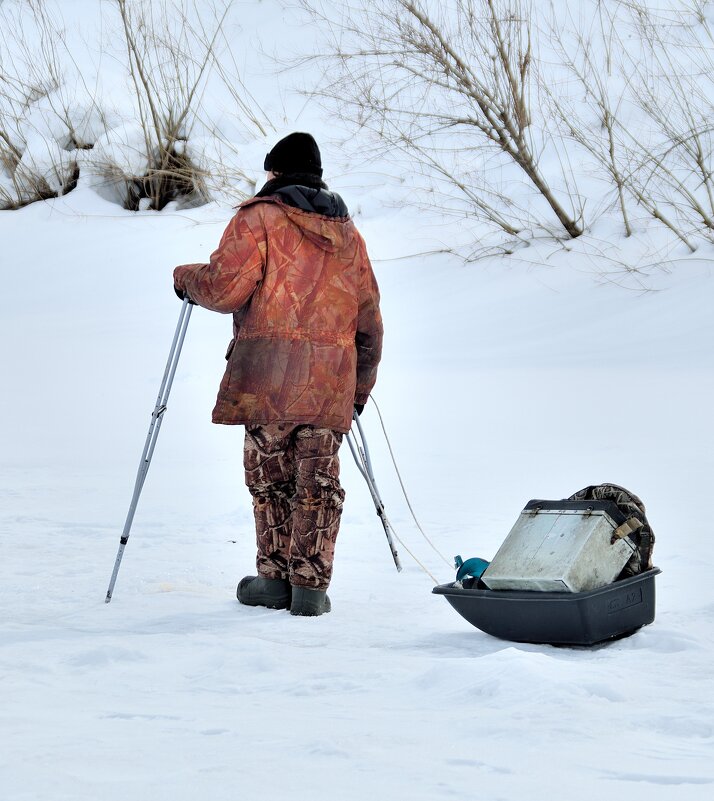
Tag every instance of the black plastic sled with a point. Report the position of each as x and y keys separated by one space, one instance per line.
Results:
x=559 y=618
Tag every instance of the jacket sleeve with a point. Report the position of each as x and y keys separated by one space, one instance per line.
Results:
x=236 y=267
x=368 y=338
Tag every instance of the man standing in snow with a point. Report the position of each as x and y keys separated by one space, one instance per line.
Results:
x=307 y=338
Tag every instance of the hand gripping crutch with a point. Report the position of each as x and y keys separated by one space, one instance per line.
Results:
x=360 y=452
x=156 y=417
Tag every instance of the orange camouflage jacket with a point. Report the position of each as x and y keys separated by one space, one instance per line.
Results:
x=307 y=330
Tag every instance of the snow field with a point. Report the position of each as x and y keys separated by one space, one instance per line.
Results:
x=528 y=376
x=175 y=691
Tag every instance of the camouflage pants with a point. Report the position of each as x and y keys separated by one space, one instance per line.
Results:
x=292 y=473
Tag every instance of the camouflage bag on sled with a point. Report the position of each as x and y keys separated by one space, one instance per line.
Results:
x=637 y=527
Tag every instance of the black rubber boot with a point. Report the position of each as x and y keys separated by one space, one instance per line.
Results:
x=309 y=602
x=259 y=591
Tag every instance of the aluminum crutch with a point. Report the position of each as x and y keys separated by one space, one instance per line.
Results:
x=156 y=418
x=360 y=452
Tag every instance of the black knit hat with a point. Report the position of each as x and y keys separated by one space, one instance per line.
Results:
x=297 y=152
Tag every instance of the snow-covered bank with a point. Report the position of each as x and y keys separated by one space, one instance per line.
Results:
x=499 y=383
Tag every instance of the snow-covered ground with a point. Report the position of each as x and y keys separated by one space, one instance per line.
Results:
x=498 y=385
x=501 y=381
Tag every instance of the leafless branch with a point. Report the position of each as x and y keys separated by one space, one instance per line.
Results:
x=452 y=81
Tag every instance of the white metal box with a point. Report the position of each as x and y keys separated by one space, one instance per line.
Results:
x=561 y=546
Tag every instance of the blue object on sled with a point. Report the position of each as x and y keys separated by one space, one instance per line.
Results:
x=471 y=568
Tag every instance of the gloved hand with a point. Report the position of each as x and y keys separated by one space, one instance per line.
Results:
x=182 y=295
x=359 y=408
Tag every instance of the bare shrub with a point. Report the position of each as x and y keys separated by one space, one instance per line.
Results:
x=51 y=119
x=172 y=50
x=675 y=84
x=646 y=117
x=27 y=80
x=592 y=119
x=449 y=85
